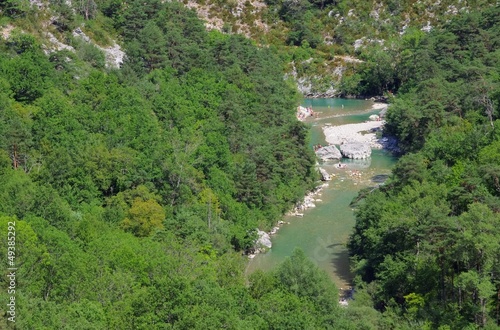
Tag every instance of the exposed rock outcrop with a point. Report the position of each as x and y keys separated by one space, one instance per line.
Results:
x=303 y=113
x=114 y=55
x=233 y=18
x=363 y=42
x=390 y=143
x=361 y=132
x=5 y=31
x=328 y=153
x=57 y=45
x=264 y=241
x=383 y=112
x=308 y=87
x=37 y=4
x=356 y=150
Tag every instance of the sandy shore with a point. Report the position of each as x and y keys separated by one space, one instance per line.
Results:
x=352 y=133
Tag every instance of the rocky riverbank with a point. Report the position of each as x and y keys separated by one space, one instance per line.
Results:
x=308 y=202
x=359 y=133
x=354 y=140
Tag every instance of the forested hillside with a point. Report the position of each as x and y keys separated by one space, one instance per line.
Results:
x=134 y=189
x=327 y=43
x=199 y=125
x=133 y=192
x=427 y=244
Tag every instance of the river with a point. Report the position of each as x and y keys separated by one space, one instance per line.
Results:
x=323 y=231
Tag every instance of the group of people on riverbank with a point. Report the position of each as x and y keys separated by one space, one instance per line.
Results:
x=303 y=112
x=316 y=147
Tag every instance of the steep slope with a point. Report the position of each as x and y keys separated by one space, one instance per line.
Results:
x=133 y=192
x=314 y=35
x=428 y=241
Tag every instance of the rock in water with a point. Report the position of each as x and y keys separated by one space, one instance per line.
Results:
x=374 y=117
x=356 y=150
x=328 y=153
x=264 y=241
x=324 y=174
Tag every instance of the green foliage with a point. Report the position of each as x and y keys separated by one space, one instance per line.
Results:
x=135 y=190
x=131 y=189
x=301 y=277
x=86 y=8
x=15 y=8
x=144 y=217
x=89 y=53
x=66 y=20
x=28 y=73
x=425 y=241
x=297 y=295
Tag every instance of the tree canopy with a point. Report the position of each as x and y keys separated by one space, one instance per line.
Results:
x=427 y=241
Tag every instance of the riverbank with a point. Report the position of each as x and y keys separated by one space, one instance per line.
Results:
x=322 y=230
x=379 y=106
x=360 y=132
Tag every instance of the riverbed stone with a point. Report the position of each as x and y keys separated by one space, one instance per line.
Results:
x=324 y=174
x=356 y=150
x=328 y=153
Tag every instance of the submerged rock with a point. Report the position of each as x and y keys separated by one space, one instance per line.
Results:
x=356 y=150
x=328 y=153
x=324 y=174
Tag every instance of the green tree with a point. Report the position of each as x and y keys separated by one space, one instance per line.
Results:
x=144 y=217
x=301 y=277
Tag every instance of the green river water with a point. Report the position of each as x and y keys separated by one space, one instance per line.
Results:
x=324 y=230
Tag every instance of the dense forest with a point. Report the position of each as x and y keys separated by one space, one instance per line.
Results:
x=327 y=43
x=427 y=244
x=134 y=191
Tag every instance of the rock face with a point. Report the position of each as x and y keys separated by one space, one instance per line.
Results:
x=36 y=3
x=264 y=241
x=57 y=45
x=390 y=143
x=309 y=87
x=114 y=55
x=328 y=153
x=356 y=150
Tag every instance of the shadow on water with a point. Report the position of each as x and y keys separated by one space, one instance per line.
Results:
x=380 y=178
x=341 y=264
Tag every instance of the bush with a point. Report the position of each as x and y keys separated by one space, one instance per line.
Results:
x=91 y=54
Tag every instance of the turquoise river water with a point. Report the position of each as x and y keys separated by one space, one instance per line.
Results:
x=323 y=231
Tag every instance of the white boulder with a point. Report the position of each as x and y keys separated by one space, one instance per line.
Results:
x=356 y=150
